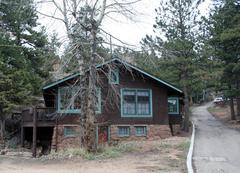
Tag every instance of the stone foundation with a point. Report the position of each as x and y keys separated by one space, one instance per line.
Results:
x=153 y=132
x=62 y=142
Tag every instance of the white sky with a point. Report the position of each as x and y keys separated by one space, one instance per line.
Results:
x=126 y=30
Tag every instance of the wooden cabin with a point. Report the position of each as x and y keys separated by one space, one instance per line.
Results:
x=132 y=104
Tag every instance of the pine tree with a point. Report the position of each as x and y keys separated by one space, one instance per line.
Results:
x=23 y=53
x=175 y=42
x=225 y=41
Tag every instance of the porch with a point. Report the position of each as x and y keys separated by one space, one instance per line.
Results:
x=37 y=125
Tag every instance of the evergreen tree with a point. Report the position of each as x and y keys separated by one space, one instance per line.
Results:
x=19 y=21
x=175 y=43
x=225 y=41
x=15 y=84
x=23 y=53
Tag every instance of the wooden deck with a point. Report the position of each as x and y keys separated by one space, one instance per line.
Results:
x=43 y=116
x=37 y=117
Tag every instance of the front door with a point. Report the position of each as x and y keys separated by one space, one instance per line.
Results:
x=102 y=134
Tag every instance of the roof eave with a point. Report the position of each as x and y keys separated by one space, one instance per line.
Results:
x=121 y=61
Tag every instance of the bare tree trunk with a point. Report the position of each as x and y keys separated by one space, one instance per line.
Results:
x=83 y=94
x=90 y=129
x=233 y=117
x=238 y=106
x=191 y=100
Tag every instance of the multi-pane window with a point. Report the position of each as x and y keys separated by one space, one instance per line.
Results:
x=123 y=130
x=140 y=131
x=114 y=76
x=68 y=98
x=173 y=105
x=136 y=102
x=70 y=131
x=69 y=101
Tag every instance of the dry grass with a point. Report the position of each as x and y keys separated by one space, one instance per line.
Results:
x=104 y=152
x=162 y=156
x=223 y=114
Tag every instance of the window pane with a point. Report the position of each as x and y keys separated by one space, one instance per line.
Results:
x=123 y=131
x=143 y=102
x=114 y=76
x=98 y=100
x=140 y=131
x=65 y=98
x=129 y=102
x=76 y=97
x=69 y=131
x=172 y=105
x=70 y=99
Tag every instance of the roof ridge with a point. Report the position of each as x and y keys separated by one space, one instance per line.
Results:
x=123 y=62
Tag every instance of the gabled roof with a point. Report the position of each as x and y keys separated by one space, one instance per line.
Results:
x=125 y=64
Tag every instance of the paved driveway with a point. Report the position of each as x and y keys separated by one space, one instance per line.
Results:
x=217 y=148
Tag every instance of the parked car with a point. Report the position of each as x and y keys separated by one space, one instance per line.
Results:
x=218 y=100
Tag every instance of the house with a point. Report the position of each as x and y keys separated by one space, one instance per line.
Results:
x=136 y=106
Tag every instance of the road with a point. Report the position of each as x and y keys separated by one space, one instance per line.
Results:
x=217 y=147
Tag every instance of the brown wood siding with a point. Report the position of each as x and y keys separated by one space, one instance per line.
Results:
x=135 y=81
x=111 y=106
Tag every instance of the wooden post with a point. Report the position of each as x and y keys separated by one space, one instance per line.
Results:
x=22 y=131
x=34 y=144
x=22 y=135
x=56 y=135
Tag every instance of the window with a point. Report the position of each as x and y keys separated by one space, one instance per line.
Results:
x=70 y=131
x=123 y=131
x=136 y=103
x=114 y=76
x=69 y=102
x=173 y=105
x=98 y=101
x=140 y=131
x=68 y=99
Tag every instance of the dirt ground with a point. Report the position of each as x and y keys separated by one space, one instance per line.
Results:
x=162 y=156
x=223 y=114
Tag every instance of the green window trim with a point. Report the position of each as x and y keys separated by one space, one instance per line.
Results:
x=69 y=131
x=177 y=108
x=71 y=110
x=136 y=101
x=116 y=73
x=140 y=131
x=123 y=131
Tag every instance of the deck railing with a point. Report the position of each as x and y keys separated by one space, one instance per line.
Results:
x=42 y=114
